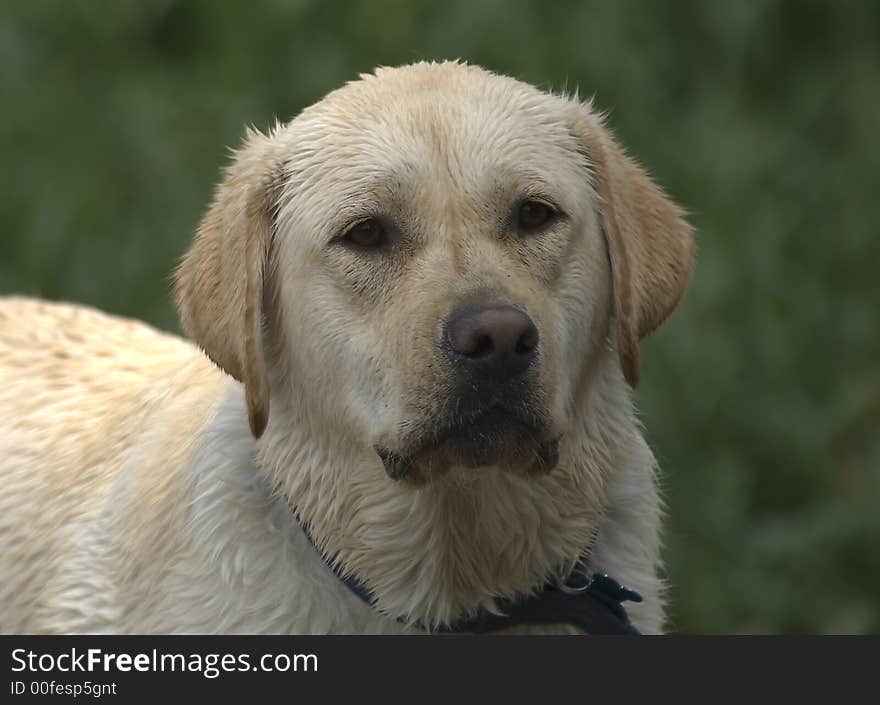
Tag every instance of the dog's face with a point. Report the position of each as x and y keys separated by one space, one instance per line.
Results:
x=433 y=257
x=438 y=254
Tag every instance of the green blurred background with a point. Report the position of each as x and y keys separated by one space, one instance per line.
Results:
x=761 y=396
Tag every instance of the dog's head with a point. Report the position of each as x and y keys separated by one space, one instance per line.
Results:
x=431 y=260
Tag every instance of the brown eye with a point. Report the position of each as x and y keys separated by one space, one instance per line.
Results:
x=368 y=233
x=533 y=214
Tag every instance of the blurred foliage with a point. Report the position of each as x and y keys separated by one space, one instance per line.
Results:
x=762 y=394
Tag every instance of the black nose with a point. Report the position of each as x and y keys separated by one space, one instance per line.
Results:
x=496 y=340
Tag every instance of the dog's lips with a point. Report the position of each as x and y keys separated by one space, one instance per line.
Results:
x=397 y=466
x=546 y=457
x=495 y=436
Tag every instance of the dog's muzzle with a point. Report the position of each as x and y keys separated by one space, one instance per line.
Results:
x=492 y=417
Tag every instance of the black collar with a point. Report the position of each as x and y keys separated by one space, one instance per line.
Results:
x=590 y=602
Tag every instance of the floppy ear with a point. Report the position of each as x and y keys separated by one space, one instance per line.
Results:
x=650 y=245
x=219 y=283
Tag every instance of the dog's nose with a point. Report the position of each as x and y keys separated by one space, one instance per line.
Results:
x=497 y=340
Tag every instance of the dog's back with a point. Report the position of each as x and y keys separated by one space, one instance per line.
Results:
x=77 y=390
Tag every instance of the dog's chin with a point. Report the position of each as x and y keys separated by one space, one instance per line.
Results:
x=495 y=439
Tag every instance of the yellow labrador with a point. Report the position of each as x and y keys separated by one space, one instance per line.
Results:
x=424 y=298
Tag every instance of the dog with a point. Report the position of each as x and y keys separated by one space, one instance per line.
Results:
x=420 y=304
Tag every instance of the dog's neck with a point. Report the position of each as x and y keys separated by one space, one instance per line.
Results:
x=443 y=551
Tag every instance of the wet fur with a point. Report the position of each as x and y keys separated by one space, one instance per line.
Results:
x=145 y=489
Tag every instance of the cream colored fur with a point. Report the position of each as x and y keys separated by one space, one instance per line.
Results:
x=144 y=490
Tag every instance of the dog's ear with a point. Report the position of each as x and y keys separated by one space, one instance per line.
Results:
x=650 y=244
x=219 y=283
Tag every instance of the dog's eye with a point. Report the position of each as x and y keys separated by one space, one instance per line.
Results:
x=369 y=233
x=534 y=214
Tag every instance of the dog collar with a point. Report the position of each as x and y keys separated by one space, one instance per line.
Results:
x=591 y=602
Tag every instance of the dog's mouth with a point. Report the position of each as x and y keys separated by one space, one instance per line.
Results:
x=495 y=436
